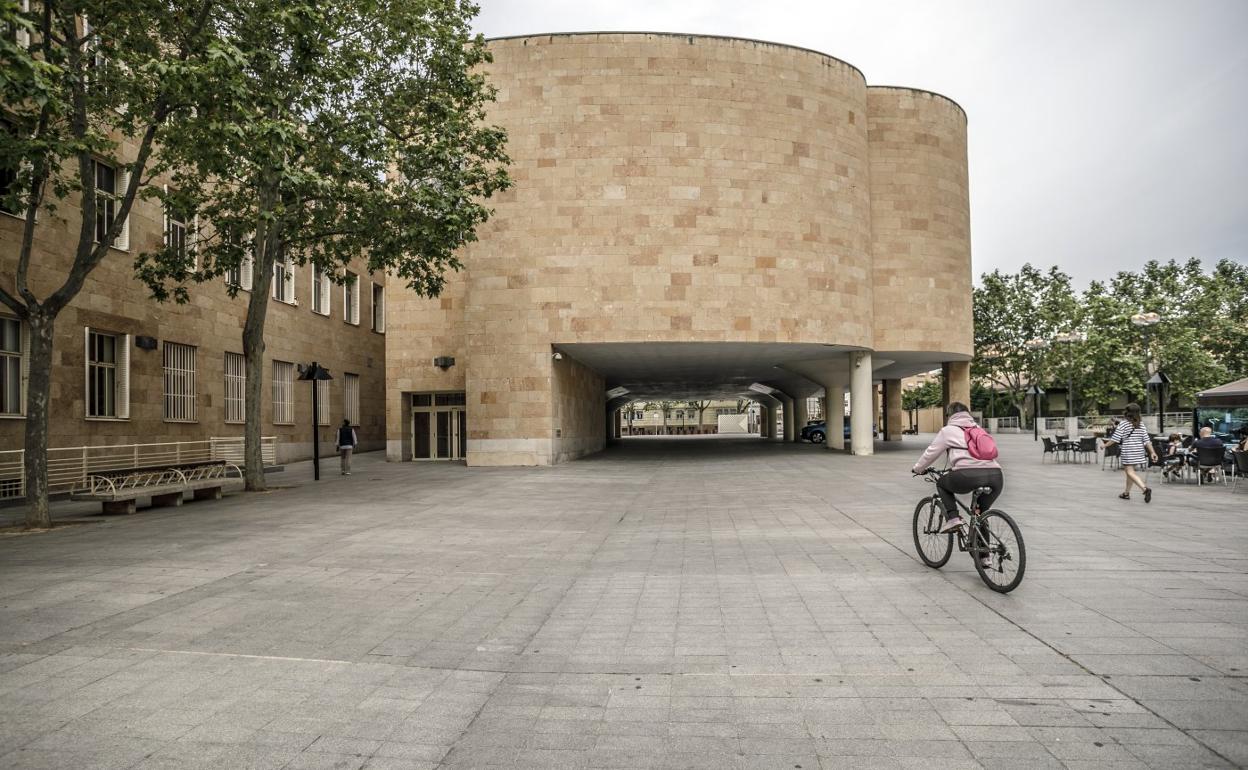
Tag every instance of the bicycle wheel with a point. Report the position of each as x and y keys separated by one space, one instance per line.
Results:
x=1005 y=550
x=933 y=547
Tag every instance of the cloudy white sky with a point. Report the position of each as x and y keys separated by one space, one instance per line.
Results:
x=1103 y=133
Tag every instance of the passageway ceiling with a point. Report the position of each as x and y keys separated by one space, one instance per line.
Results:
x=725 y=370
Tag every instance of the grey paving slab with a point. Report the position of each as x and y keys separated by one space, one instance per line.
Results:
x=687 y=603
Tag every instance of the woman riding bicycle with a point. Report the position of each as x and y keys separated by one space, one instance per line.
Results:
x=967 y=473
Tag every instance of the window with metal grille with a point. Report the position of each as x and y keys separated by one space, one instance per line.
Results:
x=320 y=292
x=110 y=187
x=235 y=388
x=322 y=402
x=351 y=394
x=14 y=367
x=179 y=382
x=107 y=374
x=283 y=393
x=351 y=299
x=379 y=308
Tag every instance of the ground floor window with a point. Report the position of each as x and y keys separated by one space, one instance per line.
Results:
x=283 y=393
x=14 y=365
x=179 y=382
x=235 y=388
x=107 y=375
x=322 y=402
x=351 y=396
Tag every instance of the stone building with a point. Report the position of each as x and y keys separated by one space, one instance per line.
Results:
x=692 y=217
x=127 y=369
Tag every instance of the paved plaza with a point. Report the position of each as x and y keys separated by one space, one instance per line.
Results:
x=671 y=603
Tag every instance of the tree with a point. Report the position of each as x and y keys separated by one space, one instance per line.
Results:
x=701 y=406
x=1011 y=309
x=923 y=396
x=353 y=129
x=73 y=96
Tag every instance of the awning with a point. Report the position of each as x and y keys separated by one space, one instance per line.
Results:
x=1231 y=394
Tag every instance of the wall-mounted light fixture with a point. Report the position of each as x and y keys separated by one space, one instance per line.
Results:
x=557 y=356
x=444 y=362
x=759 y=387
x=143 y=342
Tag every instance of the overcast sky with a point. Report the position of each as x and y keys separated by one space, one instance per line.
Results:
x=1103 y=133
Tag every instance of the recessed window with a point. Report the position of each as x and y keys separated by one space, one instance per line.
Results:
x=283 y=289
x=108 y=375
x=178 y=232
x=351 y=298
x=351 y=396
x=379 y=308
x=283 y=393
x=322 y=402
x=240 y=275
x=235 y=388
x=320 y=291
x=179 y=382
x=110 y=188
x=14 y=367
x=8 y=177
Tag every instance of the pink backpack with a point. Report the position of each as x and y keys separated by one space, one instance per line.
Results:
x=980 y=443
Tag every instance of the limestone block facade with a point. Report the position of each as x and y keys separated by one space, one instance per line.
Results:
x=690 y=214
x=113 y=302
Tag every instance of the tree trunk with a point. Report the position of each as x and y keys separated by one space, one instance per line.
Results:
x=253 y=355
x=40 y=326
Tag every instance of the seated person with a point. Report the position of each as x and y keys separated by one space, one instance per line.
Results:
x=1174 y=457
x=1242 y=446
x=1208 y=441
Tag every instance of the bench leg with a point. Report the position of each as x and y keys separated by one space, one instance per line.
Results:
x=121 y=507
x=210 y=493
x=170 y=498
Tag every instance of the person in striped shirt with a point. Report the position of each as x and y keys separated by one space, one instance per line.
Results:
x=1137 y=447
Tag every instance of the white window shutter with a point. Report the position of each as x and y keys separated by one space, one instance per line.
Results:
x=123 y=376
x=86 y=370
x=190 y=241
x=123 y=184
x=245 y=272
x=23 y=36
x=290 y=281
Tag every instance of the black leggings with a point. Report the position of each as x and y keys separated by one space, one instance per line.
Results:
x=966 y=480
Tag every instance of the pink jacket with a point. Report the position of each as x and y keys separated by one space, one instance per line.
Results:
x=952 y=439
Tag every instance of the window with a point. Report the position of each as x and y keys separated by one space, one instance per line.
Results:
x=240 y=276
x=320 y=292
x=108 y=375
x=179 y=382
x=283 y=289
x=283 y=393
x=177 y=233
x=322 y=402
x=379 y=308
x=14 y=367
x=15 y=32
x=8 y=177
x=351 y=395
x=235 y=388
x=351 y=298
x=110 y=186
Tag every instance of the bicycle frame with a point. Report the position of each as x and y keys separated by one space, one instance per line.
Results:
x=970 y=524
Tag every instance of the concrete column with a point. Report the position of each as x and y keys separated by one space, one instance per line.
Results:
x=764 y=421
x=834 y=412
x=956 y=382
x=786 y=414
x=892 y=410
x=799 y=417
x=619 y=419
x=861 y=402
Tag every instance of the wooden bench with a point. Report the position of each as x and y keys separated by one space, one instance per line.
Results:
x=119 y=490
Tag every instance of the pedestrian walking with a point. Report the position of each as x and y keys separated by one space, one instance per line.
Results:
x=347 y=441
x=1137 y=447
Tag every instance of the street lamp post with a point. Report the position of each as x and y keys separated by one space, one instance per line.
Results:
x=313 y=374
x=1069 y=339
x=1035 y=344
x=1146 y=322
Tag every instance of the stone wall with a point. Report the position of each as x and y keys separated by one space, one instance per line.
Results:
x=580 y=416
x=112 y=300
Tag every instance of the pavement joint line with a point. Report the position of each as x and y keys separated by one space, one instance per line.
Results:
x=238 y=655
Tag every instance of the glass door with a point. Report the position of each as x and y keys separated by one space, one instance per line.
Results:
x=439 y=427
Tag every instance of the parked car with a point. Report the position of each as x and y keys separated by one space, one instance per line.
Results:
x=816 y=432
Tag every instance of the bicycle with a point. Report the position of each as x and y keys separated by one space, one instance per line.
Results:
x=992 y=534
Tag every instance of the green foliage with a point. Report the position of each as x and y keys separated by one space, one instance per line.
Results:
x=335 y=131
x=1201 y=341
x=925 y=395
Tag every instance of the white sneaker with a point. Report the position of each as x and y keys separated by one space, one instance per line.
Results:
x=950 y=525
